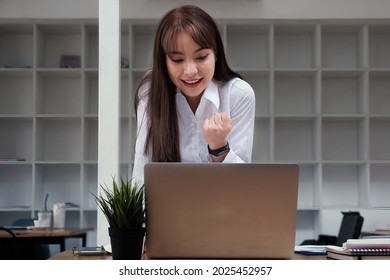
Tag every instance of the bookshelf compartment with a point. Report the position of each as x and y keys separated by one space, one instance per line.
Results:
x=340 y=186
x=137 y=77
x=89 y=220
x=16 y=135
x=53 y=41
x=295 y=93
x=16 y=95
x=380 y=139
x=379 y=45
x=53 y=133
x=124 y=140
x=126 y=100
x=248 y=46
x=59 y=92
x=91 y=49
x=379 y=93
x=89 y=187
x=343 y=93
x=380 y=185
x=261 y=140
x=260 y=82
x=143 y=37
x=16 y=46
x=294 y=139
x=125 y=46
x=331 y=220
x=341 y=139
x=304 y=225
x=307 y=193
x=91 y=91
x=16 y=186
x=294 y=46
x=91 y=139
x=72 y=220
x=125 y=170
x=60 y=181
x=342 y=46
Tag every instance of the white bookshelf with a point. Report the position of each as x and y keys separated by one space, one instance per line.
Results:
x=322 y=101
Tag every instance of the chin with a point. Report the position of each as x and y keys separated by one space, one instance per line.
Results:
x=193 y=93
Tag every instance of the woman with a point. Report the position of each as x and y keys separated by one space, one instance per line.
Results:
x=191 y=107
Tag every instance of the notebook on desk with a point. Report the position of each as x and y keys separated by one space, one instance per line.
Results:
x=224 y=211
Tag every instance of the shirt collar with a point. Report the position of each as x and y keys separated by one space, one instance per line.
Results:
x=211 y=93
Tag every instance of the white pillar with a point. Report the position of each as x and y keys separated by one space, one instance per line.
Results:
x=109 y=100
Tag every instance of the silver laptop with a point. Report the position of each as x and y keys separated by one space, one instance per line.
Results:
x=223 y=211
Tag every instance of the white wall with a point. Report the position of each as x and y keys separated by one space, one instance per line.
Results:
x=220 y=9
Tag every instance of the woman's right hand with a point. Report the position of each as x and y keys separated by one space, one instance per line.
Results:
x=216 y=129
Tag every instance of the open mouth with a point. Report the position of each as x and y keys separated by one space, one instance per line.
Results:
x=192 y=83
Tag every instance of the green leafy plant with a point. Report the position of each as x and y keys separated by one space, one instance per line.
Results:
x=123 y=206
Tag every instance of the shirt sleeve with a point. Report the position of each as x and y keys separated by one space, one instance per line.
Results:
x=242 y=113
x=140 y=158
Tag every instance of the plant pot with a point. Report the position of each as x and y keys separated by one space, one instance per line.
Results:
x=126 y=244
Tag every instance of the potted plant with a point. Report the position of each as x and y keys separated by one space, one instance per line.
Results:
x=124 y=209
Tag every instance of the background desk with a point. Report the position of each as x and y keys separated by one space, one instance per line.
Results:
x=47 y=236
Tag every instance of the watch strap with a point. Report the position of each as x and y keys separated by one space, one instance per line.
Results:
x=219 y=152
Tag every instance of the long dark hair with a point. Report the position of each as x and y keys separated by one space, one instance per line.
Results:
x=162 y=139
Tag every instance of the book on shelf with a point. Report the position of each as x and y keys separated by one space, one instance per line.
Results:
x=360 y=249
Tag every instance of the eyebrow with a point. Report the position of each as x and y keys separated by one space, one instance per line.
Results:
x=177 y=52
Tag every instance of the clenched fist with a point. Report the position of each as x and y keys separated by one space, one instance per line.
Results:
x=216 y=129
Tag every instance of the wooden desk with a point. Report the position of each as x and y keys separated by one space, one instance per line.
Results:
x=68 y=255
x=48 y=236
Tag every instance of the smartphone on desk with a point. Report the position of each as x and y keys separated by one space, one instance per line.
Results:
x=89 y=251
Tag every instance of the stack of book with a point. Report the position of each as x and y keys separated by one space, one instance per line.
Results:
x=360 y=249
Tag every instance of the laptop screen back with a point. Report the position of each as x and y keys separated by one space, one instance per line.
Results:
x=209 y=210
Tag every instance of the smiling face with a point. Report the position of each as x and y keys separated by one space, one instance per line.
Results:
x=190 y=67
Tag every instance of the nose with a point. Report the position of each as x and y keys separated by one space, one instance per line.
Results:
x=190 y=68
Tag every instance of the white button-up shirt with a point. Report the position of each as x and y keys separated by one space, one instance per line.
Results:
x=235 y=97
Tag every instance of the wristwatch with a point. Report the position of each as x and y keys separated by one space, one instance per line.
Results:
x=220 y=151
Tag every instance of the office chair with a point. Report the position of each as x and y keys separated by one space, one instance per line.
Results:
x=351 y=226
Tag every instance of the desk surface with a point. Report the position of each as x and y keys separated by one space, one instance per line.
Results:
x=68 y=255
x=27 y=233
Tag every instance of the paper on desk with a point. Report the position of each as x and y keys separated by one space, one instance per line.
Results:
x=311 y=249
x=107 y=248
